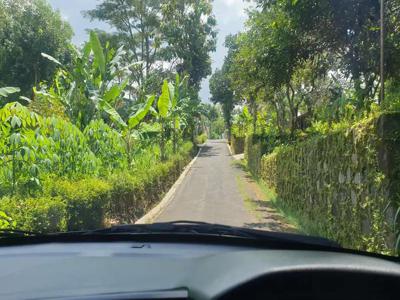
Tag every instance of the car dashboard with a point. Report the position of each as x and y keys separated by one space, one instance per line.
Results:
x=155 y=270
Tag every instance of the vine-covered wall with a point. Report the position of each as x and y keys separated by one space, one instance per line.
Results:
x=346 y=183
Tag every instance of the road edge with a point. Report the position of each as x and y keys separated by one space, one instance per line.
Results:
x=157 y=210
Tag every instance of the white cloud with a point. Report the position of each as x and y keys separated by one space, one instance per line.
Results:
x=230 y=2
x=236 y=7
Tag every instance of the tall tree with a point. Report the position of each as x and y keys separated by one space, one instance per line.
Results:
x=165 y=36
x=221 y=84
x=138 y=29
x=28 y=28
x=350 y=30
x=221 y=92
x=189 y=29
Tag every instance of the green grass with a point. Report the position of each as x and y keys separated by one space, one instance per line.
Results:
x=300 y=222
x=248 y=201
x=268 y=195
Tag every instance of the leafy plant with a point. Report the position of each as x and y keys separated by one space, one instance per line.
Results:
x=67 y=149
x=92 y=87
x=6 y=91
x=19 y=147
x=6 y=222
x=107 y=145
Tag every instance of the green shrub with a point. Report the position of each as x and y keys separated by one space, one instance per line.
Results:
x=145 y=157
x=85 y=200
x=21 y=149
x=268 y=170
x=85 y=204
x=237 y=144
x=68 y=151
x=128 y=197
x=107 y=144
x=44 y=214
x=133 y=194
x=32 y=147
x=201 y=139
x=6 y=222
x=252 y=154
x=187 y=149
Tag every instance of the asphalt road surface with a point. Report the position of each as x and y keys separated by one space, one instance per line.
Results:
x=210 y=191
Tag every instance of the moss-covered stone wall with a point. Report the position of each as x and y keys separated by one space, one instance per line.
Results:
x=347 y=183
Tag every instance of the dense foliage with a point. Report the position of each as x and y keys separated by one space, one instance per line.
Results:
x=102 y=130
x=300 y=63
x=161 y=36
x=28 y=28
x=293 y=82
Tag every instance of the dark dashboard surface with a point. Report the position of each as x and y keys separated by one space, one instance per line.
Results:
x=121 y=270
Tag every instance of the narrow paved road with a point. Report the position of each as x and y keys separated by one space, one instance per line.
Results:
x=210 y=191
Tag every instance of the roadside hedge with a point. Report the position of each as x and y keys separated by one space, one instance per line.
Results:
x=84 y=199
x=201 y=139
x=344 y=185
x=92 y=203
x=134 y=195
x=45 y=213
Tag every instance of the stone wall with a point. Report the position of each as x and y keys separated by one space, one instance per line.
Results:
x=347 y=183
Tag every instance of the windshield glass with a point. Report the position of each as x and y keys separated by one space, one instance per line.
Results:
x=278 y=115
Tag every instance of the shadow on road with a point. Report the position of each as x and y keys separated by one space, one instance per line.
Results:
x=207 y=151
x=261 y=204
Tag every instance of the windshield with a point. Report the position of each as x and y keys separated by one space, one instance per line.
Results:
x=276 y=115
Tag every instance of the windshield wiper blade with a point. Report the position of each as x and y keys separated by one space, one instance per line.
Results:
x=203 y=228
x=265 y=235
x=188 y=228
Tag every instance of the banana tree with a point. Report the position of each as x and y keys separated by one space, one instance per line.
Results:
x=93 y=86
x=175 y=110
x=179 y=97
x=192 y=111
x=130 y=132
x=8 y=90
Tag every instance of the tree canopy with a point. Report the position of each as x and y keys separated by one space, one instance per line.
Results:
x=27 y=29
x=308 y=61
x=162 y=37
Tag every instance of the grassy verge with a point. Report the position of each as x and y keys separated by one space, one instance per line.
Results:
x=299 y=221
x=268 y=196
x=248 y=201
x=295 y=219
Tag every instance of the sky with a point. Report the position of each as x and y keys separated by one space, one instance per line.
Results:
x=230 y=15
